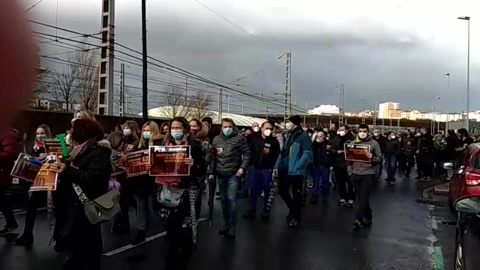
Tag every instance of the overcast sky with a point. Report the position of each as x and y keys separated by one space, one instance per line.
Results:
x=380 y=50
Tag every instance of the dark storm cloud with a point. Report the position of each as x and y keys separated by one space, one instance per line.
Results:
x=373 y=61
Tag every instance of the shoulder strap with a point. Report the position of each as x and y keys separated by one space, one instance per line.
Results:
x=81 y=195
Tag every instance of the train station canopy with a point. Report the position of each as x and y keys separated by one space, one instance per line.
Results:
x=169 y=112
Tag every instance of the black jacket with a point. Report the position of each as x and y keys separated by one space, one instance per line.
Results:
x=425 y=144
x=408 y=145
x=90 y=170
x=231 y=153
x=338 y=144
x=264 y=152
x=199 y=167
x=321 y=153
x=392 y=147
x=382 y=141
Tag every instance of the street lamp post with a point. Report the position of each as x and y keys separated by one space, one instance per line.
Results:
x=448 y=91
x=466 y=18
x=438 y=122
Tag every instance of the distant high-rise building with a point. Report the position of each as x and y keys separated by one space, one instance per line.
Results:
x=389 y=110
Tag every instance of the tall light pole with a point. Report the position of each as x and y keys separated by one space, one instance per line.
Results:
x=448 y=91
x=144 y=65
x=438 y=122
x=448 y=81
x=466 y=18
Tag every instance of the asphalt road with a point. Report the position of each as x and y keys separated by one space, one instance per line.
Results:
x=405 y=235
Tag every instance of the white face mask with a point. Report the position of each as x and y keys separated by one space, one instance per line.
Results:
x=256 y=129
x=267 y=133
x=362 y=135
x=342 y=133
x=393 y=137
x=288 y=126
x=376 y=134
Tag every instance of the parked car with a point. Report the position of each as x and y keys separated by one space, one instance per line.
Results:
x=467 y=234
x=465 y=180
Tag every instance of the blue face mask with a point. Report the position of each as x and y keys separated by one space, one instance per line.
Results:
x=146 y=135
x=177 y=134
x=227 y=131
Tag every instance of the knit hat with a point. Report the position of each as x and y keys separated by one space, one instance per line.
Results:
x=295 y=119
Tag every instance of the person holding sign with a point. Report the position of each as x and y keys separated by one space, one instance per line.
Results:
x=142 y=185
x=26 y=239
x=123 y=142
x=363 y=174
x=85 y=176
x=230 y=158
x=181 y=243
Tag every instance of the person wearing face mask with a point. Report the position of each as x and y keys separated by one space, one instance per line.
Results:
x=345 y=186
x=256 y=128
x=142 y=185
x=321 y=150
x=128 y=142
x=264 y=151
x=363 y=177
x=392 y=150
x=26 y=239
x=230 y=159
x=181 y=241
x=291 y=168
x=382 y=141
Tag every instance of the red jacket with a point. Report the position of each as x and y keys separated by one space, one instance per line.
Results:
x=9 y=150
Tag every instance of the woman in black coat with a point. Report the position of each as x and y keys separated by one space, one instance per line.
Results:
x=181 y=241
x=89 y=167
x=26 y=239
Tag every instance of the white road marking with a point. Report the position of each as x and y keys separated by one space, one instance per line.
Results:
x=148 y=239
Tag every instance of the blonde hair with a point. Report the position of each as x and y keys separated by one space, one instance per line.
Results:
x=85 y=114
x=154 y=131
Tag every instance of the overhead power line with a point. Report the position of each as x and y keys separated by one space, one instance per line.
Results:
x=164 y=65
x=34 y=5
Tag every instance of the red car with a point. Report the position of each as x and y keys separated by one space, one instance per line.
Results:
x=465 y=180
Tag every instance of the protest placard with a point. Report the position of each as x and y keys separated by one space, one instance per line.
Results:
x=357 y=152
x=169 y=160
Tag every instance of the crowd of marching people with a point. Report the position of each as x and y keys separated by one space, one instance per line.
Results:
x=293 y=160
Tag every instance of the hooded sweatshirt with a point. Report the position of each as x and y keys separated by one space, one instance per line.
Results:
x=366 y=168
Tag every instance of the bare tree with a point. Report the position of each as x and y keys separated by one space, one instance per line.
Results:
x=79 y=80
x=88 y=80
x=175 y=104
x=199 y=106
x=41 y=86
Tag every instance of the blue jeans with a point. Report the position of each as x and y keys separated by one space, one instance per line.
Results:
x=228 y=193
x=142 y=211
x=321 y=174
x=260 y=180
x=391 y=163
